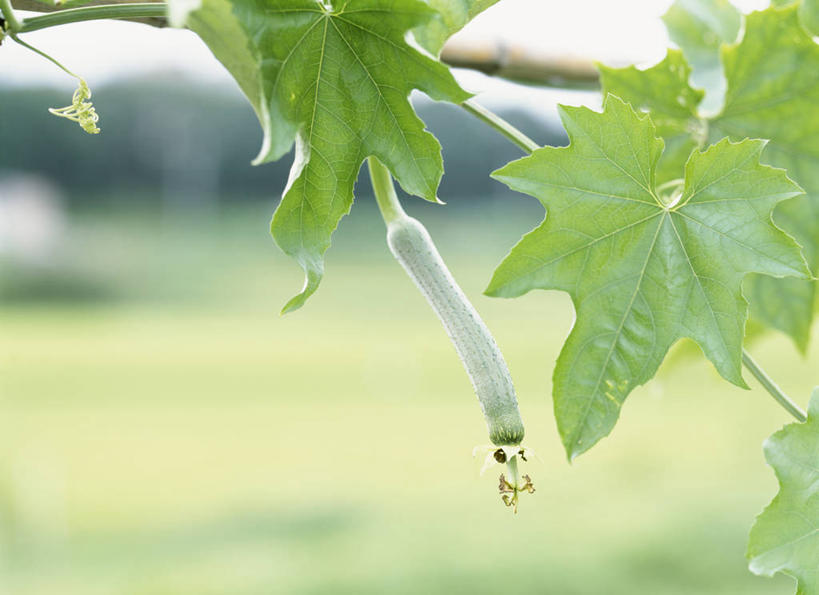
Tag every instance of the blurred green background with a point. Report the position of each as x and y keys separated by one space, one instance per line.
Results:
x=165 y=432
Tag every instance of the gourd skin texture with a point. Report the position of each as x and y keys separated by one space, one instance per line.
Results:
x=413 y=248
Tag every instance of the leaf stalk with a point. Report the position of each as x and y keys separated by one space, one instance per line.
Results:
x=769 y=385
x=500 y=125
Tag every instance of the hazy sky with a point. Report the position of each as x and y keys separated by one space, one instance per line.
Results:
x=605 y=30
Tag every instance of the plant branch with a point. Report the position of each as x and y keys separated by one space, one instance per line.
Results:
x=48 y=6
x=501 y=125
x=92 y=13
x=772 y=388
x=41 y=7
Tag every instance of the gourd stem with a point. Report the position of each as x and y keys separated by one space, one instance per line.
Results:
x=772 y=388
x=384 y=190
x=12 y=24
x=505 y=128
x=92 y=13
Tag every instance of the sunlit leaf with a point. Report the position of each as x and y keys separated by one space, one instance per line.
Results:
x=699 y=27
x=773 y=93
x=785 y=537
x=808 y=12
x=662 y=90
x=452 y=16
x=643 y=268
x=335 y=79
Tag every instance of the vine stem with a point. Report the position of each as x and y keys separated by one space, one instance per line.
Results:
x=12 y=24
x=772 y=388
x=91 y=13
x=501 y=125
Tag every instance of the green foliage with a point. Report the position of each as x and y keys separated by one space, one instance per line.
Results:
x=808 y=12
x=336 y=80
x=664 y=91
x=644 y=268
x=452 y=16
x=785 y=537
x=699 y=27
x=773 y=93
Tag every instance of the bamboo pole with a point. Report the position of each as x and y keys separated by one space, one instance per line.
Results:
x=522 y=64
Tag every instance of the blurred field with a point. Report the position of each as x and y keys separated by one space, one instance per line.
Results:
x=165 y=432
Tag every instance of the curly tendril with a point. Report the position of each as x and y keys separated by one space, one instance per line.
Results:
x=81 y=110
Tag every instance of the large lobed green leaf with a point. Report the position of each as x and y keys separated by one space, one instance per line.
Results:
x=808 y=12
x=772 y=93
x=643 y=269
x=699 y=28
x=664 y=91
x=785 y=537
x=452 y=16
x=335 y=80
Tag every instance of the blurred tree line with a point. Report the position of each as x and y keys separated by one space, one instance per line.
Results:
x=175 y=140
